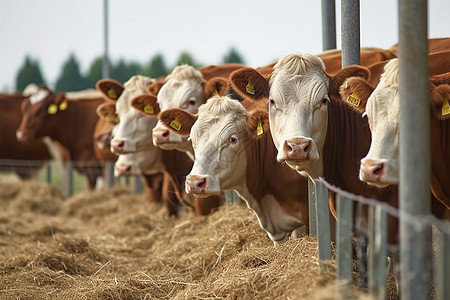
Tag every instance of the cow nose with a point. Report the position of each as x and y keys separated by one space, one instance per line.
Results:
x=21 y=135
x=123 y=170
x=161 y=136
x=297 y=149
x=371 y=171
x=196 y=184
x=117 y=146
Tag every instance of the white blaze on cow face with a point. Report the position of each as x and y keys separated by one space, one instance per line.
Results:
x=133 y=131
x=219 y=138
x=183 y=89
x=380 y=167
x=298 y=112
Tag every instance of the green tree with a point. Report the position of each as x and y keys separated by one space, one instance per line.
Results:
x=95 y=72
x=70 y=78
x=30 y=72
x=122 y=71
x=186 y=58
x=156 y=67
x=233 y=57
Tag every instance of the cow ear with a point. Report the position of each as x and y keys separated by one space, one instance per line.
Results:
x=440 y=101
x=154 y=87
x=355 y=91
x=146 y=104
x=250 y=84
x=177 y=120
x=351 y=71
x=216 y=86
x=258 y=123
x=110 y=88
x=107 y=111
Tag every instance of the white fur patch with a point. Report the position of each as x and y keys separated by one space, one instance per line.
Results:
x=38 y=96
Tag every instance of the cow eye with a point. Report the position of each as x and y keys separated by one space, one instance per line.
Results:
x=233 y=139
x=272 y=103
x=190 y=102
x=324 y=101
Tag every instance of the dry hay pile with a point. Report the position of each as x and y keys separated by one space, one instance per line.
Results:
x=114 y=245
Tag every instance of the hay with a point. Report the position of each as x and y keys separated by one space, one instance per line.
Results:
x=114 y=245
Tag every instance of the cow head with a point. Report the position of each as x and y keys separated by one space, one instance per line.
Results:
x=220 y=134
x=132 y=132
x=39 y=114
x=108 y=119
x=184 y=88
x=139 y=163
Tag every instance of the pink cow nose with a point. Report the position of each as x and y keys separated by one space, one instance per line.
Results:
x=161 y=136
x=21 y=135
x=371 y=171
x=117 y=146
x=124 y=170
x=297 y=149
x=196 y=184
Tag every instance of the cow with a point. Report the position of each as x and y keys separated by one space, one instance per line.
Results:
x=130 y=136
x=380 y=166
x=68 y=118
x=312 y=131
x=435 y=45
x=234 y=151
x=39 y=151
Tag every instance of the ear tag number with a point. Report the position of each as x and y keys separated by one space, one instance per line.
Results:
x=149 y=109
x=52 y=109
x=352 y=99
x=110 y=117
x=259 y=129
x=63 y=105
x=175 y=124
x=250 y=89
x=112 y=93
x=445 y=108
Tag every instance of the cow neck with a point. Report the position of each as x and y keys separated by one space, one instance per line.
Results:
x=347 y=142
x=76 y=128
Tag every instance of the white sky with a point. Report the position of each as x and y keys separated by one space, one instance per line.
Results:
x=262 y=31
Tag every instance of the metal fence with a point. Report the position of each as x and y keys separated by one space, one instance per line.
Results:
x=370 y=234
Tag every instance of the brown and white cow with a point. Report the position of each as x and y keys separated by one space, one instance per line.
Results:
x=313 y=131
x=39 y=151
x=133 y=130
x=380 y=167
x=69 y=119
x=234 y=151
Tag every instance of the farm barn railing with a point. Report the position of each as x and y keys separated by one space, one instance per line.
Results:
x=374 y=228
x=66 y=177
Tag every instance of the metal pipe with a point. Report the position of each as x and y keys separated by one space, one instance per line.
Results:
x=105 y=69
x=328 y=24
x=350 y=33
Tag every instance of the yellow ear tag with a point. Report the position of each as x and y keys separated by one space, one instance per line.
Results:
x=148 y=109
x=259 y=129
x=250 y=89
x=63 y=105
x=445 y=108
x=175 y=124
x=112 y=93
x=110 y=117
x=215 y=93
x=352 y=99
x=52 y=109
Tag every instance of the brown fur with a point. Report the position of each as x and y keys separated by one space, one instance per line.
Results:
x=154 y=87
x=104 y=85
x=341 y=76
x=438 y=95
x=141 y=101
x=257 y=117
x=108 y=108
x=240 y=78
x=216 y=85
x=185 y=118
x=359 y=87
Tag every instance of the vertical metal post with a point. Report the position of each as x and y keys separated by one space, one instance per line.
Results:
x=69 y=179
x=105 y=40
x=344 y=234
x=377 y=253
x=328 y=24
x=109 y=174
x=442 y=270
x=323 y=222
x=312 y=208
x=415 y=245
x=48 y=173
x=350 y=33
x=138 y=186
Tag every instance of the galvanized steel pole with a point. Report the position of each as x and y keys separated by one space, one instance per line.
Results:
x=328 y=24
x=105 y=70
x=415 y=244
x=350 y=32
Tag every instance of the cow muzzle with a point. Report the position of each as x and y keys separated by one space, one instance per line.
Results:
x=161 y=136
x=22 y=136
x=296 y=150
x=375 y=173
x=200 y=186
x=124 y=170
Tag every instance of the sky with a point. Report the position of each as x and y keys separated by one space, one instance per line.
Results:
x=262 y=31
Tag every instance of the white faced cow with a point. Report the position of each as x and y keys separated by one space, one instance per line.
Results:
x=234 y=151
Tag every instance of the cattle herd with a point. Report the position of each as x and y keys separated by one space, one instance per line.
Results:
x=198 y=132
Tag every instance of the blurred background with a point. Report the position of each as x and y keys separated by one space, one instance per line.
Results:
x=61 y=42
